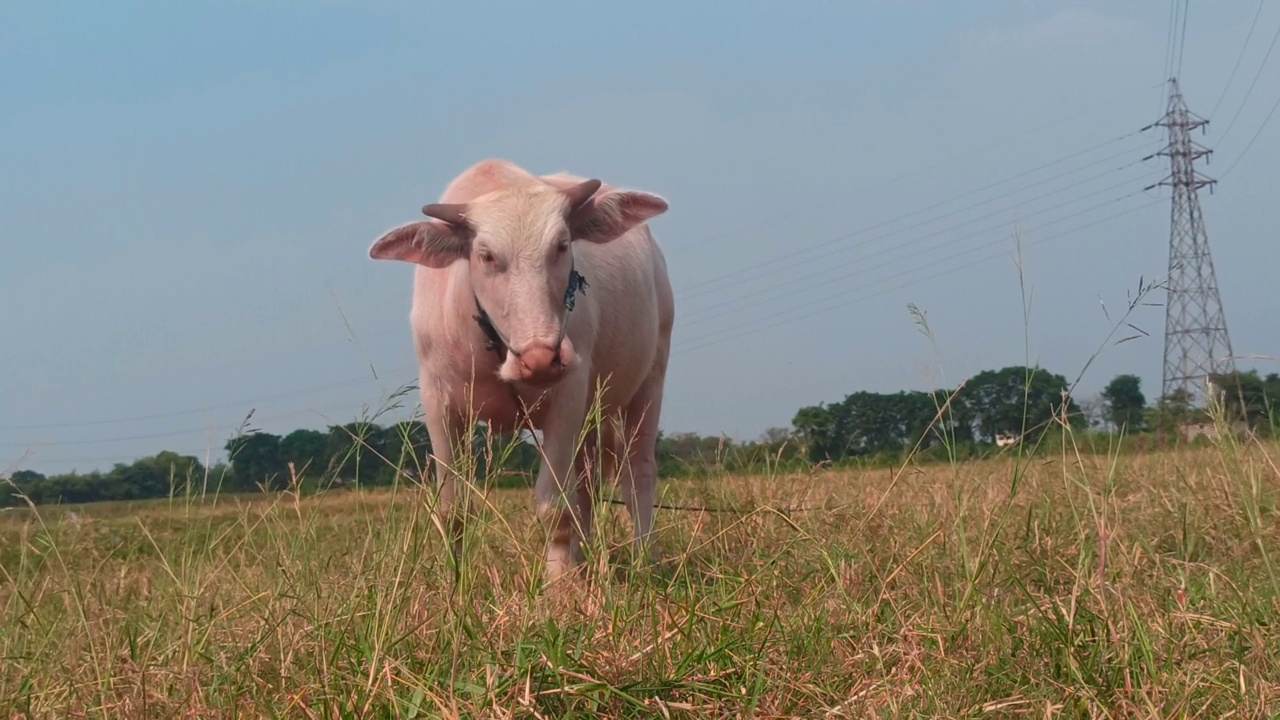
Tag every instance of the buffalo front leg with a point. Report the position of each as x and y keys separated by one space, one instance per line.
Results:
x=556 y=490
x=444 y=427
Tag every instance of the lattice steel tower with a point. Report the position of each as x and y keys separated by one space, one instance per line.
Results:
x=1195 y=331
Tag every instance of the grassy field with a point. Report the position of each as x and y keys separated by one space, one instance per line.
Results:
x=1142 y=585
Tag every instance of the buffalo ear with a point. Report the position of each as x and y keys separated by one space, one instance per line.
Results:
x=605 y=218
x=432 y=243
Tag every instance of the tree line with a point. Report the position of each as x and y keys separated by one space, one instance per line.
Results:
x=360 y=453
x=1012 y=404
x=1016 y=404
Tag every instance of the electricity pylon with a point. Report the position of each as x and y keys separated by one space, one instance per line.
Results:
x=1196 y=344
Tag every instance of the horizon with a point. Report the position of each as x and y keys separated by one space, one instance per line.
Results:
x=191 y=193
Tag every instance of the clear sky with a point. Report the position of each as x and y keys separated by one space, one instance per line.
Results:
x=188 y=192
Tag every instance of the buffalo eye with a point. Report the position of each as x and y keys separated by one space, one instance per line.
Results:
x=486 y=257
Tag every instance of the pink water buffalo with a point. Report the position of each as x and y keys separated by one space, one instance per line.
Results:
x=534 y=298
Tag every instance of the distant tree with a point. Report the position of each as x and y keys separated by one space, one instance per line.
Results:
x=871 y=423
x=951 y=417
x=21 y=481
x=256 y=461
x=681 y=452
x=775 y=436
x=1244 y=397
x=521 y=457
x=1271 y=391
x=1172 y=411
x=358 y=453
x=1017 y=400
x=917 y=419
x=308 y=450
x=220 y=476
x=815 y=427
x=154 y=477
x=408 y=447
x=1126 y=405
x=865 y=423
x=861 y=425
x=26 y=478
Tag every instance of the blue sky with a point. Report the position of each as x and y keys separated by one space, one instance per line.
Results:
x=188 y=191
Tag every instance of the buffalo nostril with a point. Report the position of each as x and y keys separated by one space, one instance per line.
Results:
x=537 y=360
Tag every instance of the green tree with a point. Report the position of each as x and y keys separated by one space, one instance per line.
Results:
x=777 y=444
x=955 y=425
x=687 y=449
x=1126 y=405
x=815 y=427
x=256 y=461
x=408 y=447
x=25 y=478
x=308 y=450
x=871 y=423
x=1271 y=391
x=358 y=453
x=21 y=481
x=1172 y=411
x=1017 y=400
x=523 y=457
x=153 y=477
x=1244 y=396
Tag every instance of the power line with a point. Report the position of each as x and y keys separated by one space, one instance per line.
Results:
x=1248 y=145
x=1257 y=13
x=952 y=256
x=772 y=270
x=959 y=156
x=208 y=408
x=749 y=330
x=172 y=433
x=948 y=242
x=1254 y=82
x=773 y=264
x=699 y=314
x=846 y=292
x=1167 y=70
x=100 y=461
x=1182 y=41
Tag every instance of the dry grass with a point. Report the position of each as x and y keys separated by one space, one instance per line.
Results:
x=1052 y=586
